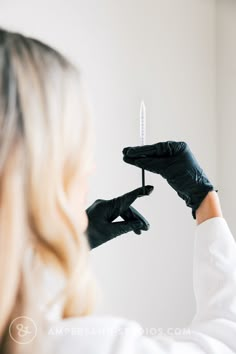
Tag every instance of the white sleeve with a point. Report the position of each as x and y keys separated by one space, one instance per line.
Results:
x=213 y=329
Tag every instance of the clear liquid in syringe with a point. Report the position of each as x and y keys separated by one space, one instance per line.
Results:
x=142 y=120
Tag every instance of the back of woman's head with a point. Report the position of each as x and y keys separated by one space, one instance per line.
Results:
x=43 y=149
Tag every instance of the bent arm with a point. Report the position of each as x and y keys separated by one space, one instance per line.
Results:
x=213 y=328
x=214 y=274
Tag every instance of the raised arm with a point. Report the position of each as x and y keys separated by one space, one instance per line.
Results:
x=213 y=328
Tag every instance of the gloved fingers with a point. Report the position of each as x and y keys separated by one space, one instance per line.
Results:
x=162 y=149
x=119 y=205
x=139 y=151
x=122 y=227
x=128 y=215
x=145 y=163
x=132 y=214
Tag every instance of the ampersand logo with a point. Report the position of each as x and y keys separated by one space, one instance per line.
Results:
x=23 y=330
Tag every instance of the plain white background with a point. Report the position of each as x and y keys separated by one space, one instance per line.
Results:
x=175 y=56
x=226 y=105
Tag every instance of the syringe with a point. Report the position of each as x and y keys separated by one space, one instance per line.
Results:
x=142 y=121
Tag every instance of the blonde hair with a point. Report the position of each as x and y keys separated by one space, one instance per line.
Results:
x=44 y=146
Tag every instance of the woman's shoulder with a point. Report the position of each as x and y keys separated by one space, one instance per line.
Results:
x=92 y=334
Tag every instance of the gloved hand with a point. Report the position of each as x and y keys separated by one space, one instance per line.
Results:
x=175 y=162
x=102 y=213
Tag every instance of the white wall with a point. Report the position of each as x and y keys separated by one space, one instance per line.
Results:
x=163 y=52
x=226 y=106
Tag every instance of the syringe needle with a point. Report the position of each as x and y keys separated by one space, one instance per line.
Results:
x=142 y=120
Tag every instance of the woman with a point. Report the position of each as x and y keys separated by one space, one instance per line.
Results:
x=45 y=160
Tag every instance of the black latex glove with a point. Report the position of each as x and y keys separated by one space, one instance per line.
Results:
x=102 y=213
x=176 y=163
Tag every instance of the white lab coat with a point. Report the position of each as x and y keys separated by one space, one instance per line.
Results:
x=212 y=330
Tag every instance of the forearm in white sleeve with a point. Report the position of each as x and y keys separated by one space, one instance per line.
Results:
x=214 y=278
x=213 y=329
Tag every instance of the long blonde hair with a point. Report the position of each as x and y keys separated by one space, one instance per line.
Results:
x=44 y=146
